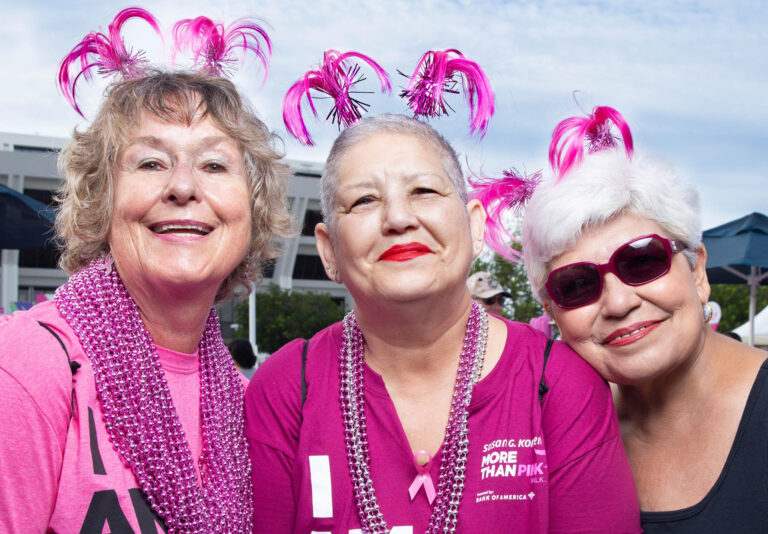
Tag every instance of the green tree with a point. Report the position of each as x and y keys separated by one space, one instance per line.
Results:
x=523 y=305
x=283 y=315
x=734 y=301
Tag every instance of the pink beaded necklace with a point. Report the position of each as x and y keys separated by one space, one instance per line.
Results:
x=139 y=415
x=455 y=443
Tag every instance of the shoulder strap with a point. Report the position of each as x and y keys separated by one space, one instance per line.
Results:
x=303 y=374
x=73 y=366
x=543 y=387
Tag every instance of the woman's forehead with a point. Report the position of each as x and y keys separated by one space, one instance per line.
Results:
x=387 y=152
x=393 y=140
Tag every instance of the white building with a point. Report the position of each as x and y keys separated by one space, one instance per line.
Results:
x=28 y=164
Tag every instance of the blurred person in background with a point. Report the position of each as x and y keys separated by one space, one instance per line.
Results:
x=486 y=290
x=242 y=354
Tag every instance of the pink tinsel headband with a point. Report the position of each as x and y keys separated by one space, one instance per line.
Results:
x=440 y=72
x=210 y=43
x=335 y=77
x=500 y=196
x=436 y=74
x=566 y=151
x=569 y=137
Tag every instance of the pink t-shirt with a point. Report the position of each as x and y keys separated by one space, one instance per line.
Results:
x=532 y=468
x=59 y=474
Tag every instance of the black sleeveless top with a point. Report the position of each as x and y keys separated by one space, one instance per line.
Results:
x=738 y=502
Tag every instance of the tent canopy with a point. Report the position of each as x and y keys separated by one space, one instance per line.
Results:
x=26 y=223
x=761 y=328
x=737 y=253
x=738 y=244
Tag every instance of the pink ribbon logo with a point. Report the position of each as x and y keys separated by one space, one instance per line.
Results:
x=422 y=477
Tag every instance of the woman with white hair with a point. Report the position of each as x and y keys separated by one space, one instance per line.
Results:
x=601 y=242
x=420 y=412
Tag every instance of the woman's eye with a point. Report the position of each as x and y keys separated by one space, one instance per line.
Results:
x=424 y=191
x=362 y=201
x=215 y=167
x=150 y=165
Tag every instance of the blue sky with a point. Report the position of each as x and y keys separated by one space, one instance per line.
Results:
x=690 y=77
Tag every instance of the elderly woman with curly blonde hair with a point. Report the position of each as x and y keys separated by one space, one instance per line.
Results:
x=121 y=406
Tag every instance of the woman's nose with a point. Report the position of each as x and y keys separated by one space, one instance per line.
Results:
x=398 y=216
x=182 y=185
x=618 y=298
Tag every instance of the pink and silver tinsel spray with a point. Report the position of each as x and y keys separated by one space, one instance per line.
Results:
x=106 y=52
x=500 y=196
x=335 y=77
x=442 y=72
x=569 y=137
x=213 y=45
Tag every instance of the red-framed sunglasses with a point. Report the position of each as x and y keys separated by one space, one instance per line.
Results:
x=638 y=262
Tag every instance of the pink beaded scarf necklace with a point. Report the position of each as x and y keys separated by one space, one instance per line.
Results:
x=455 y=443
x=139 y=415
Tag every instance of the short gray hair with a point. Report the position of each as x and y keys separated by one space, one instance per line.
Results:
x=387 y=123
x=607 y=184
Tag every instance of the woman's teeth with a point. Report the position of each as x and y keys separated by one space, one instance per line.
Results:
x=181 y=229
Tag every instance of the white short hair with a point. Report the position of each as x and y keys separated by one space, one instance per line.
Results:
x=606 y=184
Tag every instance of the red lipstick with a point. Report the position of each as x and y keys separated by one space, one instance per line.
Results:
x=404 y=252
x=630 y=334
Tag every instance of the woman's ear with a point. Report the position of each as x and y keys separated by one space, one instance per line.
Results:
x=477 y=218
x=700 y=275
x=547 y=308
x=325 y=249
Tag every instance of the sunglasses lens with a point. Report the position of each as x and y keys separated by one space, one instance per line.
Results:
x=641 y=261
x=574 y=285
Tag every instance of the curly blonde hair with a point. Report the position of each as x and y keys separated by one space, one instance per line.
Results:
x=88 y=164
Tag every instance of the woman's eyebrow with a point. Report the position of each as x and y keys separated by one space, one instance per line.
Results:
x=362 y=184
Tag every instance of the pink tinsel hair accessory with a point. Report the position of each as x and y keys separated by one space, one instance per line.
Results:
x=213 y=45
x=441 y=72
x=335 y=77
x=569 y=137
x=500 y=196
x=107 y=52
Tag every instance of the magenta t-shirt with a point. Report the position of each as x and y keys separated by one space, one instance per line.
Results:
x=61 y=474
x=531 y=468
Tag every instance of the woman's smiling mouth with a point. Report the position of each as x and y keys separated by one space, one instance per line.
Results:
x=181 y=229
x=626 y=336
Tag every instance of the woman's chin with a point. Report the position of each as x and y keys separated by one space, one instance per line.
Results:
x=182 y=281
x=408 y=292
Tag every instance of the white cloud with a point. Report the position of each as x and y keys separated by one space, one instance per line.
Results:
x=690 y=76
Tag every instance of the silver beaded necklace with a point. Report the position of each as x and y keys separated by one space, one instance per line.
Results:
x=455 y=443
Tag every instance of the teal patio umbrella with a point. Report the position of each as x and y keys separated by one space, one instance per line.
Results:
x=737 y=253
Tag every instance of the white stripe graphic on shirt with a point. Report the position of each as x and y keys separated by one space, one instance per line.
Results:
x=394 y=530
x=320 y=481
